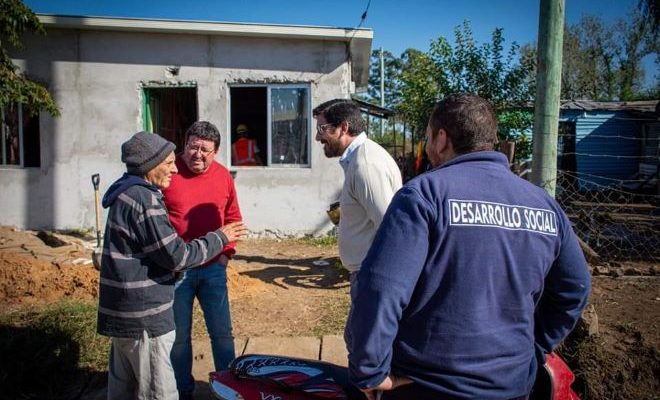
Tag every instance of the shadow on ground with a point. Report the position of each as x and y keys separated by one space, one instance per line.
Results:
x=298 y=272
x=40 y=364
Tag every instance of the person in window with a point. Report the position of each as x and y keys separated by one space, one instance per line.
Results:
x=473 y=276
x=244 y=151
x=202 y=197
x=142 y=253
x=371 y=177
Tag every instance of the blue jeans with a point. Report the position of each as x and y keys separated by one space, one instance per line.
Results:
x=209 y=285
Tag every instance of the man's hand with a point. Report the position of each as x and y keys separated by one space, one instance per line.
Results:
x=390 y=382
x=234 y=230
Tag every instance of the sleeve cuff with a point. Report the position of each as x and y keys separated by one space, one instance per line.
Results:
x=222 y=236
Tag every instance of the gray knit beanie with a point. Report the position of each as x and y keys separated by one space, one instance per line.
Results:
x=144 y=151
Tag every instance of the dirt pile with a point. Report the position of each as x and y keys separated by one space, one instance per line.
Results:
x=32 y=272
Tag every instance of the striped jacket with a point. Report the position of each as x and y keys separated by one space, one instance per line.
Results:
x=141 y=254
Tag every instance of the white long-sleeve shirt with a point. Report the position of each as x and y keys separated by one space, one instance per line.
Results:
x=371 y=177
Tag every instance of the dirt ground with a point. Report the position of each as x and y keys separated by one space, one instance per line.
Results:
x=294 y=288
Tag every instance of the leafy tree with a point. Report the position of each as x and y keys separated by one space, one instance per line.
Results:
x=489 y=71
x=588 y=63
x=515 y=125
x=420 y=89
x=604 y=62
x=391 y=71
x=15 y=87
x=650 y=12
x=417 y=80
x=638 y=40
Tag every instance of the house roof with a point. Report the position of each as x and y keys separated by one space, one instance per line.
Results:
x=359 y=39
x=645 y=106
x=373 y=109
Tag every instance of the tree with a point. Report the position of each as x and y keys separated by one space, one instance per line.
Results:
x=417 y=80
x=488 y=70
x=588 y=69
x=392 y=72
x=604 y=62
x=650 y=12
x=419 y=89
x=638 y=40
x=499 y=76
x=16 y=87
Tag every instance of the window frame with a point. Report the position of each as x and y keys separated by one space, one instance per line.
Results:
x=269 y=120
x=21 y=148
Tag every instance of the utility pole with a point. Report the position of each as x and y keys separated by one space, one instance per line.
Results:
x=548 y=89
x=382 y=91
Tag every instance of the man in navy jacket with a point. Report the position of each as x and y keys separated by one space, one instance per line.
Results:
x=473 y=275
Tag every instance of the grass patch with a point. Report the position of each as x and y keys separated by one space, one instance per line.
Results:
x=334 y=316
x=320 y=241
x=80 y=233
x=52 y=352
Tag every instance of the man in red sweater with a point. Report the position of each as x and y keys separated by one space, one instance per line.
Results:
x=202 y=198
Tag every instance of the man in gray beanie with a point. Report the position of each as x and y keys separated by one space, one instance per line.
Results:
x=141 y=255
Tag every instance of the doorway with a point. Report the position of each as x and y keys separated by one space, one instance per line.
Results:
x=169 y=111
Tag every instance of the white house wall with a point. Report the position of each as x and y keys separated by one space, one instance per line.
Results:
x=95 y=77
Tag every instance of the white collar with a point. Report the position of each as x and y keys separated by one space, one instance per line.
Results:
x=357 y=142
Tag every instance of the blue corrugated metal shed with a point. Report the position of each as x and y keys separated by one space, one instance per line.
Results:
x=608 y=137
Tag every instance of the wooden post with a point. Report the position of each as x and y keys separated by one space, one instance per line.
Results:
x=548 y=78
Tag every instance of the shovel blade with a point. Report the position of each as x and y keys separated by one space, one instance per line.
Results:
x=96 y=257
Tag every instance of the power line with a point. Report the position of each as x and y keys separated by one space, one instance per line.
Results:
x=363 y=18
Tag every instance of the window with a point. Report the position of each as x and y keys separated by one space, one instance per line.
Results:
x=20 y=137
x=169 y=111
x=276 y=120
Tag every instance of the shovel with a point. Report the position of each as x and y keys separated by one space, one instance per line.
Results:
x=98 y=250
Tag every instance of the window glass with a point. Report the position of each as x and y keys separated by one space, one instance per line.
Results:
x=31 y=147
x=11 y=139
x=20 y=137
x=269 y=125
x=289 y=113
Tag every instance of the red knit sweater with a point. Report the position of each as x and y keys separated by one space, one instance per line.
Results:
x=199 y=203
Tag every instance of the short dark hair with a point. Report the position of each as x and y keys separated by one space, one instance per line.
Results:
x=469 y=121
x=204 y=130
x=339 y=110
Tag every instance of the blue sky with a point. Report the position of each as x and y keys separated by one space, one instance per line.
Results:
x=397 y=24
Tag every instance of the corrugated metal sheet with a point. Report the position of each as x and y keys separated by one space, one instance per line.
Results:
x=608 y=145
x=645 y=106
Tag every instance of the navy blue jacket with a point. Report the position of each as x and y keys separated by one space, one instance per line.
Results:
x=472 y=273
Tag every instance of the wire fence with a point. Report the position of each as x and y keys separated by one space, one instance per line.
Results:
x=616 y=219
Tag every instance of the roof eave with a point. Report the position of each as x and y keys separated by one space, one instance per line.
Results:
x=359 y=39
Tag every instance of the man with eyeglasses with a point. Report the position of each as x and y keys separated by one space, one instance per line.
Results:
x=202 y=197
x=371 y=177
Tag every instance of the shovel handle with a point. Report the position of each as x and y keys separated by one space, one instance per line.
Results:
x=97 y=200
x=95 y=181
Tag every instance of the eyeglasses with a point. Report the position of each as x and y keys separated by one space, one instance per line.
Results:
x=202 y=150
x=320 y=129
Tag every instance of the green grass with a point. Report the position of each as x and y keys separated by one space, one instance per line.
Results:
x=321 y=241
x=50 y=352
x=334 y=315
x=80 y=233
